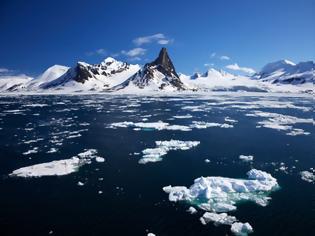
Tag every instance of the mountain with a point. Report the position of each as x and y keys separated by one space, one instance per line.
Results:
x=220 y=80
x=157 y=75
x=98 y=77
x=287 y=72
x=49 y=75
x=13 y=82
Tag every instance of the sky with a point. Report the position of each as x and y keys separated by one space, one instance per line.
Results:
x=235 y=35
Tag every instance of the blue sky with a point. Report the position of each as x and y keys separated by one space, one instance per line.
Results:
x=198 y=34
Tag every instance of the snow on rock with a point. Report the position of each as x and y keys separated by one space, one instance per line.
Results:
x=163 y=147
x=246 y=158
x=56 y=168
x=241 y=229
x=308 y=176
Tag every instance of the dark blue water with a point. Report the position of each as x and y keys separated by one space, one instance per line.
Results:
x=132 y=200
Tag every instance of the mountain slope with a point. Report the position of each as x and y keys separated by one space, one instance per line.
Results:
x=98 y=77
x=157 y=75
x=219 y=80
x=286 y=72
x=13 y=83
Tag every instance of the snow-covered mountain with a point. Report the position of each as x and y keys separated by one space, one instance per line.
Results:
x=11 y=83
x=99 y=77
x=287 y=72
x=220 y=80
x=160 y=75
x=157 y=75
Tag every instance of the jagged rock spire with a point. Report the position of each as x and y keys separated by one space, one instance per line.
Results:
x=165 y=63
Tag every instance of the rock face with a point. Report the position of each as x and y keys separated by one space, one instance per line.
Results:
x=157 y=75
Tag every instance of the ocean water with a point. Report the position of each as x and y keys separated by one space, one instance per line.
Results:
x=121 y=196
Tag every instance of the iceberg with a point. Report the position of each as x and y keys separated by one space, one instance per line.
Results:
x=241 y=229
x=308 y=176
x=218 y=195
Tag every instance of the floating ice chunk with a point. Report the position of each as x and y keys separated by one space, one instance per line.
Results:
x=192 y=210
x=282 y=122
x=205 y=125
x=33 y=141
x=52 y=150
x=163 y=147
x=56 y=168
x=218 y=219
x=246 y=158
x=207 y=161
x=296 y=132
x=99 y=159
x=308 y=176
x=80 y=183
x=62 y=167
x=183 y=116
x=228 y=119
x=221 y=194
x=150 y=234
x=32 y=151
x=241 y=229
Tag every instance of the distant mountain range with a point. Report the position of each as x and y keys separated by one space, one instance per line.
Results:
x=160 y=75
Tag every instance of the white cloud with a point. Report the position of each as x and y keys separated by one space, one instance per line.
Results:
x=4 y=70
x=99 y=52
x=236 y=67
x=213 y=55
x=135 y=52
x=225 y=58
x=209 y=64
x=155 y=38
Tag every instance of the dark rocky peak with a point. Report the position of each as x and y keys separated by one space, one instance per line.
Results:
x=164 y=63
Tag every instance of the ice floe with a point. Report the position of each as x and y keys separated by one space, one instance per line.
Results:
x=241 y=229
x=220 y=195
x=57 y=168
x=246 y=158
x=308 y=176
x=282 y=122
x=163 y=147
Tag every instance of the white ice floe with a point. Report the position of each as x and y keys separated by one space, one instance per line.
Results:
x=205 y=125
x=308 y=176
x=282 y=122
x=99 y=159
x=160 y=125
x=163 y=147
x=246 y=158
x=183 y=116
x=150 y=234
x=57 y=168
x=241 y=229
x=220 y=194
x=192 y=210
x=31 y=151
x=52 y=150
x=217 y=218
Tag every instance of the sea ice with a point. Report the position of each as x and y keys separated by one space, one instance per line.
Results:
x=307 y=176
x=220 y=194
x=163 y=147
x=246 y=158
x=56 y=168
x=241 y=229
